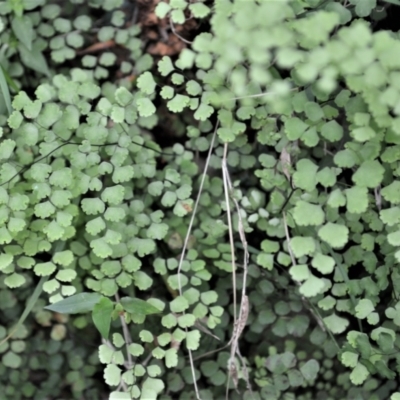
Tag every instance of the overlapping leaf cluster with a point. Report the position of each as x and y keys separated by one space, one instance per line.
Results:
x=306 y=95
x=325 y=111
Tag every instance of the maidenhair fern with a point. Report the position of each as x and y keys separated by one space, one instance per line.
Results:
x=288 y=243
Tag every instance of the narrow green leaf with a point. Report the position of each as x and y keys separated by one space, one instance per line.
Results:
x=137 y=306
x=78 y=303
x=22 y=28
x=101 y=316
x=34 y=59
x=4 y=90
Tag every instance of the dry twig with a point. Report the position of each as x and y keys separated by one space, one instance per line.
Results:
x=185 y=245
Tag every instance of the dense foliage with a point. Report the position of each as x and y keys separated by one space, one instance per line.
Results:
x=199 y=200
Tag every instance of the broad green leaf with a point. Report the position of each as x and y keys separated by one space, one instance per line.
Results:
x=5 y=260
x=54 y=231
x=82 y=22
x=78 y=303
x=203 y=112
x=74 y=40
x=145 y=107
x=51 y=286
x=93 y=206
x=199 y=10
x=101 y=316
x=15 y=119
x=369 y=174
x=185 y=61
x=151 y=388
x=336 y=199
x=146 y=336
x=16 y=225
x=6 y=149
x=138 y=306
x=101 y=248
x=11 y=360
x=312 y=286
x=117 y=114
x=394 y=238
x=112 y=375
x=123 y=96
x=310 y=137
x=95 y=226
x=178 y=103
x=44 y=210
x=107 y=59
x=63 y=257
x=294 y=128
x=385 y=334
x=327 y=303
x=142 y=280
x=66 y=275
x=123 y=174
x=295 y=377
x=364 y=308
x=114 y=214
x=171 y=358
x=186 y=321
x=313 y=111
x=193 y=339
x=336 y=324
x=364 y=8
x=136 y=349
x=167 y=92
x=178 y=16
x=165 y=66
x=299 y=272
x=209 y=297
x=162 y=9
x=326 y=177
x=146 y=83
x=157 y=231
x=357 y=199
x=332 y=131
x=310 y=370
x=61 y=178
x=392 y=192
x=359 y=374
x=363 y=134
x=306 y=214
x=14 y=280
x=192 y=87
x=179 y=304
x=335 y=235
x=44 y=269
x=323 y=263
x=305 y=176
x=302 y=246
x=349 y=359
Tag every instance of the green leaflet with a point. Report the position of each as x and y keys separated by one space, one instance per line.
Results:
x=101 y=316
x=78 y=303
